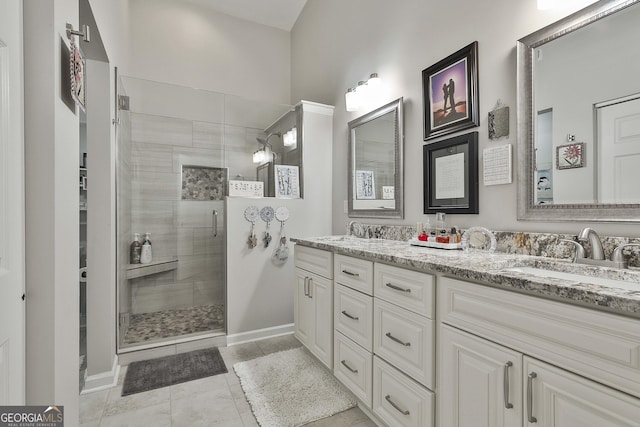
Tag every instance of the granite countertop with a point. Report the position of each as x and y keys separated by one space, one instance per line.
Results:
x=490 y=268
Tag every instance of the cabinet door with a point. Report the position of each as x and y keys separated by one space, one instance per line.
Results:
x=321 y=296
x=479 y=382
x=302 y=308
x=557 y=398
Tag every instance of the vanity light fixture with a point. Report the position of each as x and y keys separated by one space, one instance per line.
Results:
x=360 y=95
x=259 y=156
x=351 y=99
x=290 y=139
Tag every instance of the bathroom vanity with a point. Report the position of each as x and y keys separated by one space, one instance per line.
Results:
x=426 y=337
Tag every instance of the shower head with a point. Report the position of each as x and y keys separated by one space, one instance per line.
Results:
x=264 y=141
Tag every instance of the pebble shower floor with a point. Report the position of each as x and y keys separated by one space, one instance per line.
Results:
x=171 y=323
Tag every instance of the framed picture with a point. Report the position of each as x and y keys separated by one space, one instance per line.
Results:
x=77 y=71
x=570 y=156
x=450 y=93
x=451 y=175
x=287 y=182
x=365 y=188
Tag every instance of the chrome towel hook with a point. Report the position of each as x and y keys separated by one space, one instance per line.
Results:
x=85 y=33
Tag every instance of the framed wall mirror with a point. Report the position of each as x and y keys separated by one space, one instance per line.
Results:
x=375 y=163
x=579 y=117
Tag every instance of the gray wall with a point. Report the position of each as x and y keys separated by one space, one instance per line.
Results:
x=336 y=43
x=187 y=44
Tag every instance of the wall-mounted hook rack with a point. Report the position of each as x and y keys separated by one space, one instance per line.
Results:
x=85 y=33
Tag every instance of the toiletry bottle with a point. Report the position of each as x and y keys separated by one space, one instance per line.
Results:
x=145 y=253
x=443 y=236
x=135 y=250
x=424 y=230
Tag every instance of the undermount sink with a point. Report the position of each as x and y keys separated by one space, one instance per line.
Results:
x=573 y=278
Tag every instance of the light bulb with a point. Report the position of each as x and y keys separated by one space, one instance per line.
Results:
x=258 y=156
x=362 y=93
x=351 y=100
x=374 y=81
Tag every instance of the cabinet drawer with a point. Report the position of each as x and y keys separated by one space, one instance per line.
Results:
x=597 y=345
x=314 y=260
x=353 y=366
x=398 y=400
x=405 y=340
x=354 y=315
x=409 y=289
x=354 y=272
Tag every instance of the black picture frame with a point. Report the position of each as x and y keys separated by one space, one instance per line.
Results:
x=442 y=82
x=450 y=173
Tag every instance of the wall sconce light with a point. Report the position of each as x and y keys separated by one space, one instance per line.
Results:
x=363 y=93
x=259 y=156
x=290 y=139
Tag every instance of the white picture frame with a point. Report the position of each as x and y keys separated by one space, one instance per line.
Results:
x=287 y=182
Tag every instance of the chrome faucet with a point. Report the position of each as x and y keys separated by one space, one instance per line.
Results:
x=597 y=253
x=617 y=256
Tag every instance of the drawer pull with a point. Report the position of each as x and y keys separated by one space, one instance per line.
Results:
x=397 y=288
x=397 y=408
x=306 y=286
x=505 y=385
x=344 y=363
x=350 y=273
x=391 y=337
x=350 y=316
x=530 y=416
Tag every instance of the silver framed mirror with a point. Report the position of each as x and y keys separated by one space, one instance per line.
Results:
x=566 y=76
x=375 y=163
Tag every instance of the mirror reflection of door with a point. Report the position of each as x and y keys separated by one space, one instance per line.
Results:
x=544 y=158
x=618 y=135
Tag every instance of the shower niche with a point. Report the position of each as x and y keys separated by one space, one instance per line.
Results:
x=177 y=150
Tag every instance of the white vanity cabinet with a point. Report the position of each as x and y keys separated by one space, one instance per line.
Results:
x=508 y=359
x=313 y=302
x=353 y=321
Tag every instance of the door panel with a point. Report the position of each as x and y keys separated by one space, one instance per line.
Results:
x=562 y=399
x=11 y=206
x=619 y=152
x=473 y=391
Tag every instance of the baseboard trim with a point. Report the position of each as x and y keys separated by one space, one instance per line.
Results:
x=103 y=380
x=259 y=334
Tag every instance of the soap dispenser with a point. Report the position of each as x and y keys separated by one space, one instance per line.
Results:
x=135 y=250
x=145 y=253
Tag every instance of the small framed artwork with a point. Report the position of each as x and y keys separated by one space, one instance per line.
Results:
x=77 y=70
x=570 y=156
x=287 y=182
x=450 y=93
x=365 y=189
x=451 y=175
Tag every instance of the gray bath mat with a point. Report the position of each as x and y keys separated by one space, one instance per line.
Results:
x=175 y=369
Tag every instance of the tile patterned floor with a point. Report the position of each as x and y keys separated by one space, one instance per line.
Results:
x=172 y=323
x=213 y=401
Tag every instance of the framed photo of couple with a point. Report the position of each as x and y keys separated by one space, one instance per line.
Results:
x=450 y=93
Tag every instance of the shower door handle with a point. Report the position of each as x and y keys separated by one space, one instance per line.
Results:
x=214 y=220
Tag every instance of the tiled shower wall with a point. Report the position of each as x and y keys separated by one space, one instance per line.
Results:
x=182 y=229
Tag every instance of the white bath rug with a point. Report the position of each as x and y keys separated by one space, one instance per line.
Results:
x=291 y=388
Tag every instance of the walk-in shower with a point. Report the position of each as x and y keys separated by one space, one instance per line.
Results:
x=177 y=150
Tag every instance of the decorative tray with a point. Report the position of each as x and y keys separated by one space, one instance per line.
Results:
x=437 y=245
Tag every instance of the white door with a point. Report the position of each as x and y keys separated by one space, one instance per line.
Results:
x=619 y=151
x=11 y=206
x=480 y=382
x=557 y=398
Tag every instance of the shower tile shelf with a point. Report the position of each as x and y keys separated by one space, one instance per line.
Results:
x=157 y=266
